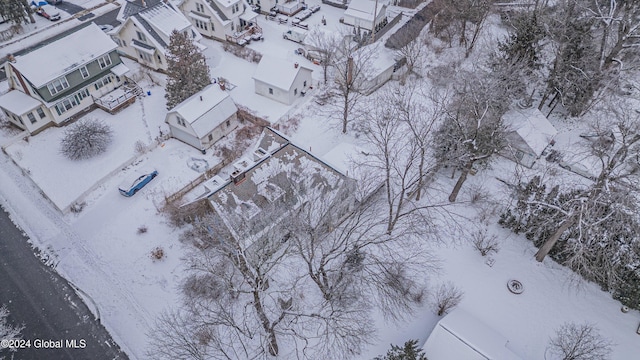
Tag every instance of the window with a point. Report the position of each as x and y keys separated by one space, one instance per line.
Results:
x=228 y=123
x=199 y=7
x=31 y=118
x=84 y=72
x=295 y=92
x=270 y=91
x=144 y=56
x=67 y=104
x=159 y=58
x=104 y=61
x=304 y=83
x=82 y=94
x=201 y=24
x=40 y=113
x=102 y=82
x=181 y=121
x=232 y=27
x=234 y=8
x=141 y=36
x=124 y=43
x=210 y=137
x=57 y=85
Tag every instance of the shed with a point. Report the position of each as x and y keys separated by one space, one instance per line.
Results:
x=529 y=133
x=203 y=118
x=281 y=80
x=460 y=335
x=364 y=13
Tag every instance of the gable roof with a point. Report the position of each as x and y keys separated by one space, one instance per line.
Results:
x=216 y=9
x=364 y=9
x=279 y=178
x=206 y=109
x=64 y=55
x=460 y=335
x=277 y=72
x=531 y=126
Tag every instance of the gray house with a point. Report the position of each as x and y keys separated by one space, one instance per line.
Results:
x=62 y=79
x=203 y=118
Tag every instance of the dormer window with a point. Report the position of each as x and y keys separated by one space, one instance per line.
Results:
x=141 y=36
x=84 y=72
x=104 y=61
x=57 y=85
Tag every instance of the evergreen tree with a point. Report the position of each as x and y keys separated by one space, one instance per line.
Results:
x=410 y=351
x=16 y=11
x=187 y=71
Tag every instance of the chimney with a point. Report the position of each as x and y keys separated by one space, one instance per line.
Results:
x=11 y=58
x=143 y=3
x=295 y=65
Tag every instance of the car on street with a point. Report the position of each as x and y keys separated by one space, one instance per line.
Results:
x=135 y=182
x=45 y=10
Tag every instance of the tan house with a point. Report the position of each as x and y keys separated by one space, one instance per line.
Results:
x=222 y=20
x=146 y=28
x=204 y=118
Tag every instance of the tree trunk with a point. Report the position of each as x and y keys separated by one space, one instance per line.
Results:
x=345 y=113
x=548 y=245
x=273 y=340
x=461 y=180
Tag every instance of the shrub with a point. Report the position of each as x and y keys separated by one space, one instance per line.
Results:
x=157 y=254
x=142 y=229
x=484 y=243
x=86 y=139
x=446 y=297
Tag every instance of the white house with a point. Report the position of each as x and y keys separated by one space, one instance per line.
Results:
x=460 y=335
x=204 y=118
x=381 y=67
x=62 y=79
x=365 y=14
x=220 y=19
x=530 y=132
x=146 y=28
x=281 y=80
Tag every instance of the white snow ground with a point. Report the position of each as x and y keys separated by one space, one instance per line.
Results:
x=101 y=252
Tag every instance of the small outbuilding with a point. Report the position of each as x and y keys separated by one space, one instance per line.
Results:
x=281 y=80
x=460 y=335
x=529 y=134
x=204 y=118
x=366 y=14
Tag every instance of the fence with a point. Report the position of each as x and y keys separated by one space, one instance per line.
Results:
x=197 y=181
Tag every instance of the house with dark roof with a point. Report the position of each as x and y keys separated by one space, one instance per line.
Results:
x=267 y=186
x=225 y=20
x=64 y=78
x=146 y=26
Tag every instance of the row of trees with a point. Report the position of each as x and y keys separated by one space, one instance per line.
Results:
x=16 y=11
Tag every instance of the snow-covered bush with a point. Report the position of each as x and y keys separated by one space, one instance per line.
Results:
x=157 y=254
x=445 y=297
x=86 y=139
x=142 y=229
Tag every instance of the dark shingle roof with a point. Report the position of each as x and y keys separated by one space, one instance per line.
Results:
x=150 y=30
x=215 y=7
x=135 y=6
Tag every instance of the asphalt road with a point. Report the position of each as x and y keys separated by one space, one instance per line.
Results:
x=69 y=7
x=46 y=304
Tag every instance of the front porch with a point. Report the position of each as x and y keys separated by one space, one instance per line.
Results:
x=250 y=30
x=119 y=98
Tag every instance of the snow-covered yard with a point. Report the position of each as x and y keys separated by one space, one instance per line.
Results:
x=104 y=251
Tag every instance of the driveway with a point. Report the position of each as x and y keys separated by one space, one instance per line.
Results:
x=69 y=7
x=46 y=304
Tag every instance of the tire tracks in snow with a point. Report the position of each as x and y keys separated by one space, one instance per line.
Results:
x=22 y=197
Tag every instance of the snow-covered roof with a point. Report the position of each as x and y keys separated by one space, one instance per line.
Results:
x=381 y=60
x=64 y=55
x=18 y=102
x=460 y=335
x=165 y=19
x=278 y=72
x=342 y=156
x=206 y=109
x=532 y=126
x=364 y=9
x=271 y=186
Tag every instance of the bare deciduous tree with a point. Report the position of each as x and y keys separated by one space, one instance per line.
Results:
x=579 y=342
x=321 y=45
x=473 y=130
x=352 y=67
x=445 y=297
x=484 y=243
x=8 y=331
x=85 y=139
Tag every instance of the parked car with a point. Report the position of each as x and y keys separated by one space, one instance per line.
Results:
x=54 y=2
x=294 y=35
x=45 y=10
x=136 y=182
x=106 y=27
